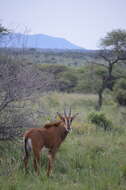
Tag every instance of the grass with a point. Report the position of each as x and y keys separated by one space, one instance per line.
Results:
x=89 y=159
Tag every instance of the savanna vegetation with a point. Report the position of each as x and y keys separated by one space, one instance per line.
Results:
x=35 y=84
x=89 y=158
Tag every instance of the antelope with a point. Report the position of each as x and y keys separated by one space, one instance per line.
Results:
x=50 y=136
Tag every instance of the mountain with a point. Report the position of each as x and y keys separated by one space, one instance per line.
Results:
x=17 y=40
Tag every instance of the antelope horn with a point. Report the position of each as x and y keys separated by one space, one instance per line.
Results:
x=65 y=112
x=70 y=112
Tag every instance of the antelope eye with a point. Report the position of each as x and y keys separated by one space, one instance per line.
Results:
x=63 y=119
x=71 y=119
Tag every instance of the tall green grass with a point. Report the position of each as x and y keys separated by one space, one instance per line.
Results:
x=89 y=159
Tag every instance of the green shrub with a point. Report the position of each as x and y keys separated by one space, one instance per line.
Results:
x=121 y=97
x=120 y=92
x=67 y=80
x=100 y=120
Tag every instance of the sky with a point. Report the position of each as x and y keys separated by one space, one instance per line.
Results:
x=82 y=22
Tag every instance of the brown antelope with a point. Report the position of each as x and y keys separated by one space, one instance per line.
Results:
x=51 y=136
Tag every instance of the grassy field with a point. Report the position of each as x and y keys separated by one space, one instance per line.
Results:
x=89 y=158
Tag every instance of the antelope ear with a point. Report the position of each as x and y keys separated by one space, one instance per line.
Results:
x=60 y=116
x=73 y=117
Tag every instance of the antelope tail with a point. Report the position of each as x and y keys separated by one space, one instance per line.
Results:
x=26 y=147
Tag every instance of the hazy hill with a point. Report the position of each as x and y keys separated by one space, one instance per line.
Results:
x=18 y=40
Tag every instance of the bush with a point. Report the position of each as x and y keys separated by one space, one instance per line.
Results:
x=121 y=97
x=120 y=92
x=100 y=120
x=67 y=81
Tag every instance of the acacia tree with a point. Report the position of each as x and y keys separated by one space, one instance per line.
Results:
x=113 y=52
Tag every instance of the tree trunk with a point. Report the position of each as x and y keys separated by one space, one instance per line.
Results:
x=110 y=68
x=100 y=94
x=100 y=99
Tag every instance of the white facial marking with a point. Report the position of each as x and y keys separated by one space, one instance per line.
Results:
x=65 y=124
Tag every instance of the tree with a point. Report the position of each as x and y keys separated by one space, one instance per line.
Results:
x=115 y=41
x=113 y=51
x=3 y=30
x=18 y=82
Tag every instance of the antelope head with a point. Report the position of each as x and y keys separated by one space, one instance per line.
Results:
x=67 y=119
